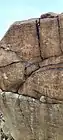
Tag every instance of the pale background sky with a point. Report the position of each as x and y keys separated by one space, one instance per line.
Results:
x=17 y=10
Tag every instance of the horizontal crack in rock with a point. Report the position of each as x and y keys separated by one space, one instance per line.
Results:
x=10 y=64
x=48 y=100
x=57 y=99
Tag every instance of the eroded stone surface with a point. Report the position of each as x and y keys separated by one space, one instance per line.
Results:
x=22 y=38
x=61 y=29
x=31 y=79
x=11 y=76
x=49 y=37
x=52 y=61
x=27 y=118
x=48 y=15
x=7 y=57
x=47 y=81
x=31 y=68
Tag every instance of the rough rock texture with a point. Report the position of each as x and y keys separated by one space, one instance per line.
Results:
x=49 y=37
x=22 y=39
x=31 y=80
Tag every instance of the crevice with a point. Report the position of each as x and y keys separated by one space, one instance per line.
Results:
x=28 y=96
x=7 y=49
x=27 y=76
x=58 y=101
x=46 y=96
x=51 y=68
x=10 y=64
x=25 y=73
x=31 y=72
x=20 y=85
x=59 y=34
x=55 y=56
x=38 y=35
x=30 y=64
x=44 y=68
x=58 y=64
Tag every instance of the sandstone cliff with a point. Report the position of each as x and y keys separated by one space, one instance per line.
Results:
x=31 y=80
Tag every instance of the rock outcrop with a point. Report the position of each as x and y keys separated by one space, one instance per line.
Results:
x=31 y=80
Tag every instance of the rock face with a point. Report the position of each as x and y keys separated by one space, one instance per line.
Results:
x=31 y=80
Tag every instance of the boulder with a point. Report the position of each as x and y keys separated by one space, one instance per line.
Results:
x=31 y=119
x=31 y=80
x=11 y=77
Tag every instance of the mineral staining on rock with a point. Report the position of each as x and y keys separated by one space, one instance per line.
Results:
x=31 y=79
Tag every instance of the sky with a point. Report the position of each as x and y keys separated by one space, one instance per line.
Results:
x=17 y=10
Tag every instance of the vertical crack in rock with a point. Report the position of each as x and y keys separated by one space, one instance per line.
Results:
x=59 y=33
x=38 y=35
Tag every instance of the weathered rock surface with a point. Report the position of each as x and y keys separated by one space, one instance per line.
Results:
x=49 y=37
x=31 y=80
x=11 y=76
x=22 y=39
x=27 y=118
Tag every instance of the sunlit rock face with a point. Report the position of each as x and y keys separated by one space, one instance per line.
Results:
x=31 y=80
